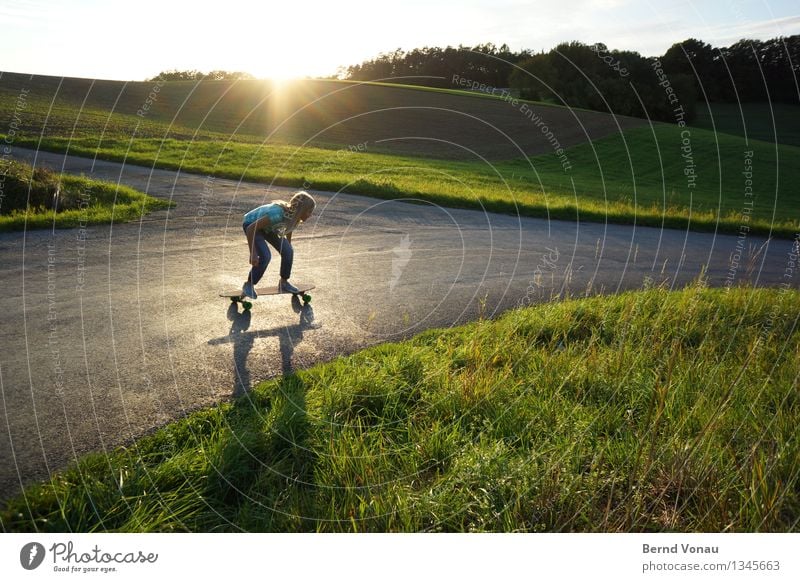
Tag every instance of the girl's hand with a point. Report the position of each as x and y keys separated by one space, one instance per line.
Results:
x=254 y=260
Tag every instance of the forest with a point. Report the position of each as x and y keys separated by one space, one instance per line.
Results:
x=593 y=76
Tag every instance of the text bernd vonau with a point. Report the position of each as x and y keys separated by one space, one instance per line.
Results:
x=679 y=548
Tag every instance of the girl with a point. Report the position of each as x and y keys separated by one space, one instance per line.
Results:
x=274 y=223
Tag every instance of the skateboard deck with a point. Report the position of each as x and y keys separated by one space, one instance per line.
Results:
x=235 y=295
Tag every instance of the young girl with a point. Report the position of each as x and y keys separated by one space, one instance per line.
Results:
x=273 y=223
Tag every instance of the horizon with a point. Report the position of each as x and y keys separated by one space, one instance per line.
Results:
x=317 y=40
x=282 y=79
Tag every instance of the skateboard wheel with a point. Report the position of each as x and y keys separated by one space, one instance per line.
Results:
x=234 y=299
x=247 y=305
x=306 y=298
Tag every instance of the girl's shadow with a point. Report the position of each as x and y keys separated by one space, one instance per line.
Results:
x=243 y=340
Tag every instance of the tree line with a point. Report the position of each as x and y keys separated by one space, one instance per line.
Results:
x=194 y=75
x=596 y=77
x=435 y=66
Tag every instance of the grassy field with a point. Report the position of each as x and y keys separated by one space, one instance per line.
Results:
x=316 y=113
x=637 y=177
x=39 y=198
x=245 y=131
x=646 y=411
x=771 y=122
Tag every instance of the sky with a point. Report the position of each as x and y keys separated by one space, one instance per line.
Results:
x=133 y=41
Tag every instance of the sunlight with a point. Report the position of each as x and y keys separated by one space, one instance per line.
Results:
x=281 y=72
x=281 y=58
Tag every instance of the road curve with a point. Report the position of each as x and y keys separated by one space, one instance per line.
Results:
x=112 y=331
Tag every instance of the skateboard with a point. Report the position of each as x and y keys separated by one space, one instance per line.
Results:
x=237 y=297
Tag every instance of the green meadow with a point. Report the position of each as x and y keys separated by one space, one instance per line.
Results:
x=770 y=122
x=40 y=198
x=637 y=176
x=649 y=411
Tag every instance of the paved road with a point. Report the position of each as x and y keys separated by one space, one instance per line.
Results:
x=111 y=332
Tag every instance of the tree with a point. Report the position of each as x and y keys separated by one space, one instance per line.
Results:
x=599 y=78
x=742 y=62
x=594 y=77
x=194 y=75
x=435 y=66
x=700 y=62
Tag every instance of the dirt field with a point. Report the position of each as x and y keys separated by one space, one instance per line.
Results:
x=327 y=113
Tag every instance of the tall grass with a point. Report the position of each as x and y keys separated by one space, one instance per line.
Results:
x=646 y=411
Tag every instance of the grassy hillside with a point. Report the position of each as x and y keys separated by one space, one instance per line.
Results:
x=636 y=177
x=659 y=175
x=770 y=122
x=649 y=169
x=647 y=411
x=319 y=113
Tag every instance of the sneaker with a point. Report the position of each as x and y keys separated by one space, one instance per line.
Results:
x=286 y=287
x=249 y=291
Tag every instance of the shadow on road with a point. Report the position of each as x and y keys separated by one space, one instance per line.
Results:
x=243 y=340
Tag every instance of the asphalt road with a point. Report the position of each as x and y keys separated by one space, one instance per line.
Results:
x=110 y=332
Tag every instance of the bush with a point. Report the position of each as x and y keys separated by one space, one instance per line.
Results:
x=23 y=187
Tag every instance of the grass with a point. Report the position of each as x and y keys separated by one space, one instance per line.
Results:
x=318 y=113
x=770 y=122
x=647 y=411
x=39 y=198
x=460 y=92
x=238 y=131
x=632 y=178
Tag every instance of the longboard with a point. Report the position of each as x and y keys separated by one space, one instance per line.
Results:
x=235 y=295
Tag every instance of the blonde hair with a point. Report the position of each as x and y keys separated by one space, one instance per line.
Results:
x=296 y=206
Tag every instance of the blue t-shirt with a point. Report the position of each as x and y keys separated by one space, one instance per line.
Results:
x=275 y=213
